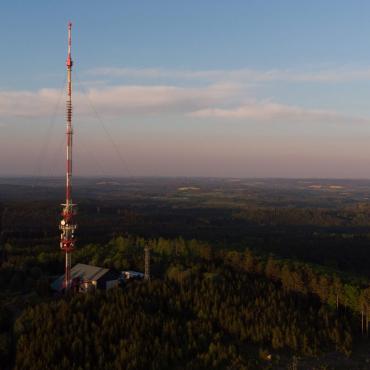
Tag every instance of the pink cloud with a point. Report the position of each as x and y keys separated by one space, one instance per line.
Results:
x=271 y=111
x=117 y=100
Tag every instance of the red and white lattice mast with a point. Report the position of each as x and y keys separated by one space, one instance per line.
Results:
x=67 y=225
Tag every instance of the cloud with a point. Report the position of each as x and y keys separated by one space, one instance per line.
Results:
x=337 y=74
x=164 y=99
x=275 y=112
x=218 y=101
x=117 y=100
x=28 y=103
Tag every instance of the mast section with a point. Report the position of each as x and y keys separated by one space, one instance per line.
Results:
x=67 y=225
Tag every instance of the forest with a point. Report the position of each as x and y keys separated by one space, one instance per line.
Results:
x=204 y=308
x=264 y=285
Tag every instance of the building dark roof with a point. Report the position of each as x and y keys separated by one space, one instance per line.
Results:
x=82 y=271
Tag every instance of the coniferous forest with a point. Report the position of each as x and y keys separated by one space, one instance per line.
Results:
x=188 y=321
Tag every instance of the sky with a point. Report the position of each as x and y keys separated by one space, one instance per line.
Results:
x=252 y=88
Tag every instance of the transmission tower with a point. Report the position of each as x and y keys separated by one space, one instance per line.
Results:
x=67 y=225
x=147 y=263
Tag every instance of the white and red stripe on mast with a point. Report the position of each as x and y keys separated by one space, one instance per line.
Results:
x=67 y=226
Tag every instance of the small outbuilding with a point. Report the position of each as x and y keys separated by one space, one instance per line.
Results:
x=88 y=277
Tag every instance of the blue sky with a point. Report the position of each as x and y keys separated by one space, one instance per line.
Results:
x=211 y=88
